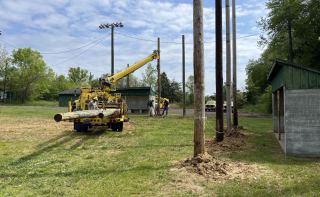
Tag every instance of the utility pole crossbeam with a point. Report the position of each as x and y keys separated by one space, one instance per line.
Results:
x=159 y=79
x=198 y=69
x=228 y=66
x=112 y=26
x=219 y=74
x=234 y=72
x=184 y=76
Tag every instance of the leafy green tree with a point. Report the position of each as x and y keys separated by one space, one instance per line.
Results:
x=5 y=69
x=170 y=89
x=257 y=73
x=30 y=74
x=78 y=76
x=149 y=77
x=190 y=89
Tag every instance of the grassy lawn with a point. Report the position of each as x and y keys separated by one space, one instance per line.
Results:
x=39 y=157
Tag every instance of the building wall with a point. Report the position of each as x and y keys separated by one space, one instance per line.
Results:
x=302 y=122
x=137 y=103
x=64 y=99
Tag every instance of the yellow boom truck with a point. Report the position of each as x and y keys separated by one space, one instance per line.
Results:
x=101 y=106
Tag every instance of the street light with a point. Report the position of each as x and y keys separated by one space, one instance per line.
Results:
x=112 y=26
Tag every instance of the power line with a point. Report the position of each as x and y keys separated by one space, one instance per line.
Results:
x=173 y=42
x=79 y=54
x=74 y=49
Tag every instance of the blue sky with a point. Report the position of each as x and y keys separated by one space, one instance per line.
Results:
x=59 y=25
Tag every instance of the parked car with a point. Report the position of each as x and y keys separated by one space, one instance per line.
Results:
x=210 y=106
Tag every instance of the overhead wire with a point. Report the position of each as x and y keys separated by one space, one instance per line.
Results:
x=74 y=49
x=81 y=53
x=173 y=42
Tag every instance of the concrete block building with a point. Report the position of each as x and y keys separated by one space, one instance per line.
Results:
x=296 y=108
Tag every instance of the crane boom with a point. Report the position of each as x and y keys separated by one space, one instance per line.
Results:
x=116 y=77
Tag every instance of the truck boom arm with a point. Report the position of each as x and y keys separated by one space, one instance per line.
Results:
x=116 y=77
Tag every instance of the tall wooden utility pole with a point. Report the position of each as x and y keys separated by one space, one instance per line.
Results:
x=290 y=45
x=112 y=26
x=184 y=75
x=159 y=79
x=234 y=72
x=219 y=75
x=228 y=66
x=198 y=69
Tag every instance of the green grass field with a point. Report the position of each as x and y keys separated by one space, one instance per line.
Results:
x=39 y=157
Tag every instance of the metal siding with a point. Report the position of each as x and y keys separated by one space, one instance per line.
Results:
x=304 y=79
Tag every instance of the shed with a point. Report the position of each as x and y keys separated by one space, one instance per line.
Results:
x=136 y=98
x=296 y=108
x=67 y=95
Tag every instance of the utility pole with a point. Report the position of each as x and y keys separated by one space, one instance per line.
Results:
x=198 y=69
x=228 y=66
x=184 y=75
x=219 y=74
x=159 y=79
x=128 y=78
x=234 y=52
x=112 y=26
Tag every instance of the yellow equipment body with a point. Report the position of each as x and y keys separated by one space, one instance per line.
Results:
x=101 y=100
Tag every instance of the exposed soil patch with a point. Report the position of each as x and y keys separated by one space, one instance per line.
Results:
x=233 y=141
x=129 y=126
x=218 y=169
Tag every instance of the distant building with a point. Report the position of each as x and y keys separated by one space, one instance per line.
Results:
x=296 y=108
x=6 y=96
x=136 y=97
x=67 y=95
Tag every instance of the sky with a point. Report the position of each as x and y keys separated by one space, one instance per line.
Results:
x=67 y=34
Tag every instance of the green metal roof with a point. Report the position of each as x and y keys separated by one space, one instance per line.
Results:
x=293 y=76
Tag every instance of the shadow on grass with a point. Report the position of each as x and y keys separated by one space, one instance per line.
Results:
x=58 y=141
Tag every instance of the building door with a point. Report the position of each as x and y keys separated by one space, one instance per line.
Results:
x=278 y=112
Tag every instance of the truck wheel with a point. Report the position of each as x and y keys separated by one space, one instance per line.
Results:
x=117 y=126
x=120 y=126
x=80 y=127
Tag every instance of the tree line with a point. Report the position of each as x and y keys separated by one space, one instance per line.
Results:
x=25 y=76
x=290 y=31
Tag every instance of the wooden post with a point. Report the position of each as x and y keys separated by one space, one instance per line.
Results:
x=184 y=76
x=198 y=67
x=228 y=66
x=112 y=50
x=234 y=52
x=219 y=75
x=159 y=79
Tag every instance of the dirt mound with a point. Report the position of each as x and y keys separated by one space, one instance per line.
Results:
x=233 y=141
x=205 y=165
x=209 y=167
